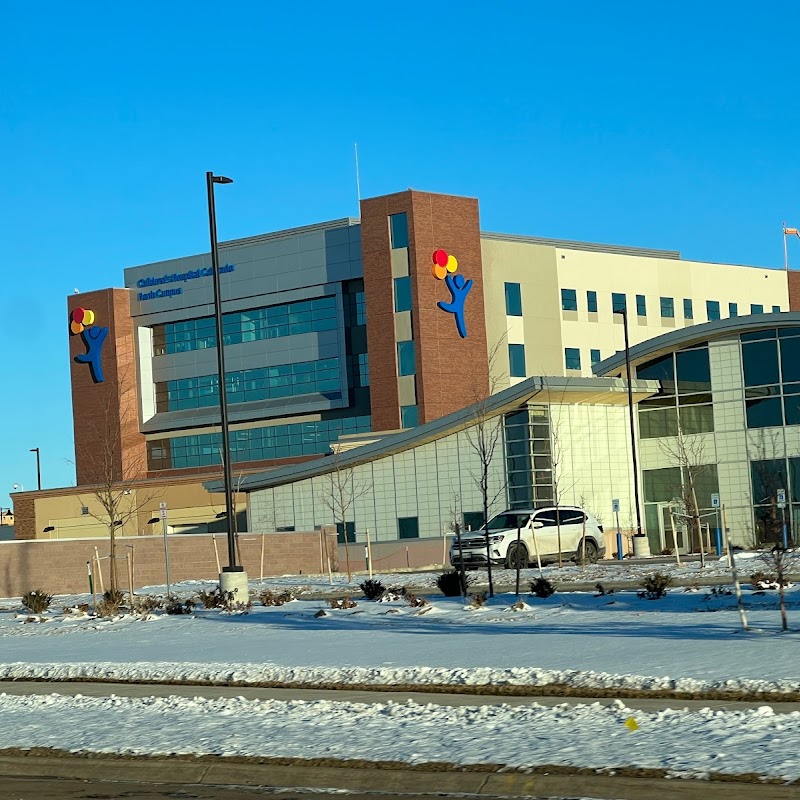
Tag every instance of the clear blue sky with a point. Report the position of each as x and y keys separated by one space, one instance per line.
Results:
x=669 y=125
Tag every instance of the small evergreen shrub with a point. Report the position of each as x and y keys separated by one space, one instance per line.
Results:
x=37 y=600
x=270 y=598
x=655 y=586
x=212 y=599
x=373 y=590
x=147 y=604
x=342 y=602
x=541 y=587
x=449 y=583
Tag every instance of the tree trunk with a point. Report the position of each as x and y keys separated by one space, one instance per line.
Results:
x=558 y=533
x=113 y=559
x=486 y=531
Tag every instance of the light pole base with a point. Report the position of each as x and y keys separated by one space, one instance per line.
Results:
x=235 y=581
x=641 y=547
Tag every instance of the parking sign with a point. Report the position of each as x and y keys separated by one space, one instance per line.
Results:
x=162 y=510
x=781 y=498
x=714 y=501
x=615 y=506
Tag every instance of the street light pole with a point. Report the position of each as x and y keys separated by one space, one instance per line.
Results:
x=38 y=468
x=233 y=577
x=624 y=312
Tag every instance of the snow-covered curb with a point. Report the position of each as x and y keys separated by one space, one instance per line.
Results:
x=244 y=674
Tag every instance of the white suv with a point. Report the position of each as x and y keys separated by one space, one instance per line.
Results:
x=539 y=528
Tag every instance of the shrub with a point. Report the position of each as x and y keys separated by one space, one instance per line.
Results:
x=175 y=606
x=413 y=600
x=393 y=593
x=37 y=600
x=341 y=602
x=109 y=605
x=373 y=590
x=479 y=599
x=212 y=599
x=449 y=583
x=270 y=598
x=765 y=580
x=147 y=604
x=80 y=608
x=541 y=587
x=655 y=585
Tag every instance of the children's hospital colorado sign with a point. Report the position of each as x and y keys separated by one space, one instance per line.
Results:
x=172 y=278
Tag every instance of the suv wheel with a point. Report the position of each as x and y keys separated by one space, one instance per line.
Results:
x=517 y=554
x=592 y=552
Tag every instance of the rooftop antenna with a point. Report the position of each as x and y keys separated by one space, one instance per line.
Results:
x=358 y=180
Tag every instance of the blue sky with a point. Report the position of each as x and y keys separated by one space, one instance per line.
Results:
x=663 y=125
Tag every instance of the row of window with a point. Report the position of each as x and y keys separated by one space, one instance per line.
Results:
x=572 y=357
x=253 y=444
x=528 y=457
x=248 y=385
x=619 y=302
x=286 y=319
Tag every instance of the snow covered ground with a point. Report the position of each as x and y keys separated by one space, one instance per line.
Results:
x=684 y=742
x=687 y=640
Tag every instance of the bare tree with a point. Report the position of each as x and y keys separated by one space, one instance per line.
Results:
x=688 y=453
x=485 y=437
x=115 y=490
x=455 y=515
x=780 y=561
x=339 y=496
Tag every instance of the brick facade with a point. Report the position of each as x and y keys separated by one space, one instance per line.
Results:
x=105 y=415
x=451 y=371
x=793 y=280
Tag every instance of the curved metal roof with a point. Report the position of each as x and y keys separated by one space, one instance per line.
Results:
x=693 y=334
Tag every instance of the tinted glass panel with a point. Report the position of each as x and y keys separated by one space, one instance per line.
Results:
x=753 y=336
x=697 y=419
x=688 y=311
x=760 y=361
x=548 y=518
x=756 y=308
x=791 y=409
x=660 y=369
x=569 y=300
x=618 y=302
x=661 y=485
x=406 y=364
x=409 y=416
x=570 y=517
x=790 y=359
x=733 y=309
x=398 y=230
x=402 y=293
x=408 y=527
x=513 y=300
x=594 y=356
x=667 y=307
x=572 y=358
x=764 y=413
x=641 y=305
x=516 y=360
x=657 y=423
x=712 y=309
x=694 y=372
x=768 y=476
x=591 y=301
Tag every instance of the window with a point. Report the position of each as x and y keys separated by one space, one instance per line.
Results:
x=84 y=511
x=618 y=302
x=547 y=518
x=516 y=360
x=473 y=520
x=358 y=370
x=641 y=305
x=594 y=357
x=398 y=230
x=569 y=300
x=409 y=416
x=513 y=300
x=688 y=311
x=591 y=302
x=340 y=531
x=570 y=517
x=402 y=293
x=406 y=364
x=572 y=358
x=668 y=307
x=733 y=309
x=270 y=322
x=248 y=385
x=776 y=309
x=253 y=444
x=712 y=309
x=756 y=308
x=408 y=527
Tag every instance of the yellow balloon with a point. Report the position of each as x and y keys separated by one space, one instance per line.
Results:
x=88 y=317
x=452 y=263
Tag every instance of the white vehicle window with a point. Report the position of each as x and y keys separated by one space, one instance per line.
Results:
x=570 y=516
x=547 y=518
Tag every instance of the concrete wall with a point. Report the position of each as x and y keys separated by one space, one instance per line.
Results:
x=60 y=567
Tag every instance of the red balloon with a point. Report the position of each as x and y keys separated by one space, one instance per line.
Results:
x=77 y=315
x=440 y=258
